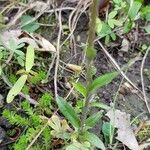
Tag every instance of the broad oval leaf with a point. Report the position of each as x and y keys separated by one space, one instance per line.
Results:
x=147 y=29
x=68 y=112
x=19 y=52
x=15 y=90
x=94 y=140
x=103 y=80
x=98 y=25
x=80 y=88
x=117 y=22
x=93 y=119
x=112 y=14
x=30 y=27
x=29 y=58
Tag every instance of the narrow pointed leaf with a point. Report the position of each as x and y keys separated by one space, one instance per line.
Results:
x=68 y=112
x=15 y=90
x=102 y=80
x=29 y=58
x=80 y=88
x=134 y=9
x=112 y=14
x=93 y=119
x=100 y=105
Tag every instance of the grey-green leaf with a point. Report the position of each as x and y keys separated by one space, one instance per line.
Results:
x=68 y=112
x=93 y=119
x=80 y=88
x=30 y=27
x=15 y=90
x=112 y=14
x=107 y=129
x=147 y=29
x=98 y=25
x=103 y=80
x=94 y=140
x=29 y=58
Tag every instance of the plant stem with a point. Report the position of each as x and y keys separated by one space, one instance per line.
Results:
x=90 y=55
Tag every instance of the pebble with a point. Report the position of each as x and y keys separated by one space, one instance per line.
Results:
x=2 y=135
x=1 y=101
x=5 y=123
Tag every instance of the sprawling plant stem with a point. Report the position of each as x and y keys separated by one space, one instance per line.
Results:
x=90 y=55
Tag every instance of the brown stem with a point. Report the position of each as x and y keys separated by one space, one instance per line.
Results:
x=89 y=60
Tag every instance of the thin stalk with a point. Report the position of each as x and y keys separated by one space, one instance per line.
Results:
x=90 y=55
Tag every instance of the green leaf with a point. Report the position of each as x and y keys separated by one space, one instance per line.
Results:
x=80 y=88
x=113 y=36
x=112 y=14
x=15 y=90
x=128 y=26
x=12 y=45
x=111 y=23
x=98 y=25
x=71 y=147
x=77 y=146
x=103 y=80
x=19 y=52
x=91 y=52
x=94 y=140
x=105 y=30
x=107 y=39
x=147 y=29
x=93 y=119
x=100 y=105
x=146 y=12
x=29 y=58
x=117 y=22
x=31 y=27
x=20 y=61
x=21 y=45
x=93 y=70
x=68 y=112
x=134 y=9
x=107 y=129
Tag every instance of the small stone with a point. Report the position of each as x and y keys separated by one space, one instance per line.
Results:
x=2 y=134
x=5 y=123
x=1 y=101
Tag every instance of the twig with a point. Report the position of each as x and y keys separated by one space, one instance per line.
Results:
x=57 y=54
x=50 y=67
x=71 y=90
x=36 y=137
x=16 y=18
x=116 y=96
x=72 y=26
x=59 y=9
x=118 y=68
x=142 y=79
